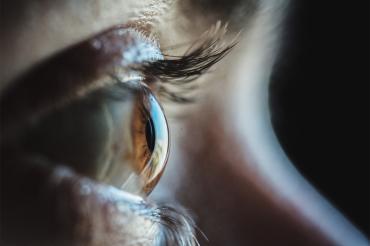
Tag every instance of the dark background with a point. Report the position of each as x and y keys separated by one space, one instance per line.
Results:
x=319 y=97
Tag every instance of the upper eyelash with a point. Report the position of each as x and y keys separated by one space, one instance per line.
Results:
x=179 y=71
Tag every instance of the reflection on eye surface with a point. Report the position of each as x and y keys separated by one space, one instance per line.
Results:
x=151 y=139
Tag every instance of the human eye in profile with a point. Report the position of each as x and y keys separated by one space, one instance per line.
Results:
x=120 y=124
x=94 y=111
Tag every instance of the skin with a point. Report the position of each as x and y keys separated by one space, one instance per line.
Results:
x=221 y=173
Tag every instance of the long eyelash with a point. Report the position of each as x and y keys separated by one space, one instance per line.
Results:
x=180 y=71
x=176 y=225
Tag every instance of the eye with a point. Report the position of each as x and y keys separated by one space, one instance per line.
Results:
x=99 y=115
x=149 y=138
x=147 y=156
x=119 y=139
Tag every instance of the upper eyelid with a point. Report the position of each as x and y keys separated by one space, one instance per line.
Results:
x=62 y=77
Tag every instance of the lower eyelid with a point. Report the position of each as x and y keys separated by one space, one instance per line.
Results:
x=81 y=207
x=78 y=206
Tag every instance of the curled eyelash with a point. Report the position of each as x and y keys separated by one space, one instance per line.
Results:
x=176 y=73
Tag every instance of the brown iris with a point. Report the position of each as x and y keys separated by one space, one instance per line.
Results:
x=150 y=139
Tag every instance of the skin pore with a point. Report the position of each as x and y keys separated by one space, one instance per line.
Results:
x=220 y=173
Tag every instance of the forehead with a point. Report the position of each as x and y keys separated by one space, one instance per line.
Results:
x=33 y=30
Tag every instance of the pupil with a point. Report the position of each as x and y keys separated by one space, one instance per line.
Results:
x=150 y=134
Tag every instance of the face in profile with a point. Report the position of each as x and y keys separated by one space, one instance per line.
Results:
x=145 y=123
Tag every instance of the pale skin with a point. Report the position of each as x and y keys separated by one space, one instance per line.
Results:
x=237 y=195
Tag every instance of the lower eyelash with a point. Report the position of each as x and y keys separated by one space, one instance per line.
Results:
x=176 y=225
x=62 y=186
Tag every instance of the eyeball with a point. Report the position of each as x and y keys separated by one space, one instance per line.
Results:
x=118 y=136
